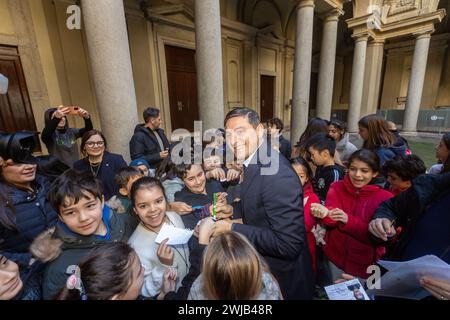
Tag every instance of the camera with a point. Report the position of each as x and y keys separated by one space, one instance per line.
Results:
x=18 y=146
x=3 y=84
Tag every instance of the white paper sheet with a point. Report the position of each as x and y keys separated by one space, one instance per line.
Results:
x=403 y=278
x=177 y=236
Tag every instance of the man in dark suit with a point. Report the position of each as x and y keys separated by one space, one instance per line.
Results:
x=271 y=206
x=149 y=141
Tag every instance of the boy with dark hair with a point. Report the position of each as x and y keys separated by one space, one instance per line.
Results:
x=198 y=192
x=275 y=128
x=84 y=222
x=121 y=202
x=321 y=148
x=402 y=170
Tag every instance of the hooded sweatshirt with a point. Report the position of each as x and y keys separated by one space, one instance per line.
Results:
x=62 y=143
x=349 y=245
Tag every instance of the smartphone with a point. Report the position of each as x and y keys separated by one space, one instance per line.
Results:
x=73 y=111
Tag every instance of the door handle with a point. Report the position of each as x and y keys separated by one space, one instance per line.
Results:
x=180 y=105
x=262 y=103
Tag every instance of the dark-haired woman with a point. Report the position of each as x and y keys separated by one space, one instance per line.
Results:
x=350 y=205
x=25 y=212
x=99 y=162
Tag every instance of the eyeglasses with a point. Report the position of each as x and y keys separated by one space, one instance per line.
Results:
x=90 y=144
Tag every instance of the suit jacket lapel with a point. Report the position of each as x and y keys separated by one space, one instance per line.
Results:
x=250 y=173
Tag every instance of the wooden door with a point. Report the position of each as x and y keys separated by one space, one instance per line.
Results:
x=267 y=97
x=182 y=81
x=15 y=107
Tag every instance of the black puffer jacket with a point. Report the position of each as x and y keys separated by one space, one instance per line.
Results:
x=33 y=215
x=144 y=145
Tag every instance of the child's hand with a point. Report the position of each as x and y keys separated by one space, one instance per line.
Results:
x=233 y=175
x=180 y=207
x=165 y=253
x=217 y=174
x=319 y=211
x=221 y=227
x=338 y=215
x=223 y=211
x=344 y=277
x=205 y=230
x=382 y=228
x=221 y=198
x=169 y=282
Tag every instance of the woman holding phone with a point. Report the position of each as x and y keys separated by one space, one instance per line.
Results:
x=59 y=138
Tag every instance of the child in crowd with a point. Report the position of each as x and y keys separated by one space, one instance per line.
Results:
x=315 y=125
x=401 y=171
x=393 y=129
x=198 y=192
x=84 y=222
x=337 y=130
x=375 y=132
x=150 y=204
x=143 y=165
x=322 y=147
x=212 y=164
x=233 y=270
x=167 y=174
x=350 y=205
x=304 y=172
x=111 y=271
x=275 y=128
x=443 y=156
x=121 y=202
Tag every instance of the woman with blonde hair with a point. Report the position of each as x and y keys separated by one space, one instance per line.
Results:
x=233 y=270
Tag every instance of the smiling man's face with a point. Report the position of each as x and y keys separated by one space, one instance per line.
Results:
x=242 y=137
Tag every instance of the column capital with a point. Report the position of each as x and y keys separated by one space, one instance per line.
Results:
x=361 y=37
x=377 y=42
x=332 y=15
x=305 y=3
x=423 y=34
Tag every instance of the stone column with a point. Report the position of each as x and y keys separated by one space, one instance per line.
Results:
x=208 y=40
x=109 y=53
x=327 y=64
x=372 y=77
x=415 y=88
x=356 y=89
x=302 y=68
